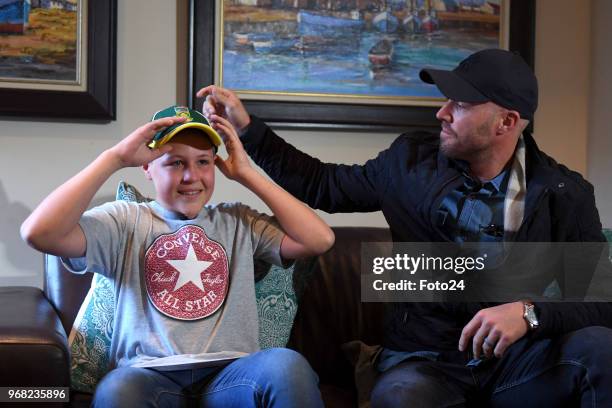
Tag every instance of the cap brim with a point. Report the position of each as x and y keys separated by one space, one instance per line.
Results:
x=452 y=85
x=210 y=132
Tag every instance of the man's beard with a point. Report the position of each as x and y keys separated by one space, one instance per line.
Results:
x=477 y=143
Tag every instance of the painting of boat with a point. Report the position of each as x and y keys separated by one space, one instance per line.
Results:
x=312 y=23
x=412 y=23
x=14 y=16
x=314 y=43
x=385 y=22
x=429 y=23
x=460 y=13
x=349 y=48
x=274 y=45
x=242 y=40
x=381 y=53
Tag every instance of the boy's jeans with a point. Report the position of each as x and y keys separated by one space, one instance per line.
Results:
x=275 y=377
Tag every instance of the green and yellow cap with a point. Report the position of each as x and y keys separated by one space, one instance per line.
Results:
x=194 y=120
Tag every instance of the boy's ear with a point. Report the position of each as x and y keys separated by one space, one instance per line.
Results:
x=145 y=168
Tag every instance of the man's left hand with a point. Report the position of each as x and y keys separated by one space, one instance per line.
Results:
x=494 y=329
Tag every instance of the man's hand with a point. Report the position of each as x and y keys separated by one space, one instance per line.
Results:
x=133 y=150
x=237 y=164
x=223 y=102
x=494 y=329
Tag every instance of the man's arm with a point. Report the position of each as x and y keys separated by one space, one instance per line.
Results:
x=326 y=186
x=306 y=233
x=503 y=325
x=593 y=273
x=53 y=227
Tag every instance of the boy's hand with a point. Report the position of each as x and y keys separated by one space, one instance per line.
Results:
x=237 y=165
x=133 y=150
x=223 y=102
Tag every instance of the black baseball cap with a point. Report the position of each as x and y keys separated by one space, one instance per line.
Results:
x=495 y=75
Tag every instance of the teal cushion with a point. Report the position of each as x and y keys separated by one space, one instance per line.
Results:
x=608 y=234
x=91 y=334
x=276 y=306
x=90 y=337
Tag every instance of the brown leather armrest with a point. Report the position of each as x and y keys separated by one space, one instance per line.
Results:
x=33 y=344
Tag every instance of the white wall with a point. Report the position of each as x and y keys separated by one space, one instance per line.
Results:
x=562 y=64
x=600 y=133
x=36 y=156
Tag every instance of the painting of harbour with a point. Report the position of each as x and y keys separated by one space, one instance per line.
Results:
x=350 y=49
x=38 y=41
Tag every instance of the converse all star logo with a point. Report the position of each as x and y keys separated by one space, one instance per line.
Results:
x=186 y=274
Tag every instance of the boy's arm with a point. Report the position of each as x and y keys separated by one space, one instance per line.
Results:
x=306 y=233
x=53 y=227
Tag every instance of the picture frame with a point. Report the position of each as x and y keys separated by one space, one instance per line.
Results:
x=97 y=100
x=203 y=32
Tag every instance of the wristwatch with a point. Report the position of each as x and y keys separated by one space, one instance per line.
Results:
x=530 y=316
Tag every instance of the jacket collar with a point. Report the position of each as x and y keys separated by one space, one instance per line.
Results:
x=541 y=174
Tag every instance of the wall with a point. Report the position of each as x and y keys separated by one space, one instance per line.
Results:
x=36 y=156
x=562 y=63
x=600 y=140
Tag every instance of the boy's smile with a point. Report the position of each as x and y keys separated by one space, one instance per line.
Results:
x=184 y=178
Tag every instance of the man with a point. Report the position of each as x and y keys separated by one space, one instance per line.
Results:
x=482 y=179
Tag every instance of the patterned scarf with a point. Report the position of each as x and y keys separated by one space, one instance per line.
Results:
x=514 y=204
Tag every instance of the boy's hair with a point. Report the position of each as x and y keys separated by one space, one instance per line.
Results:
x=194 y=120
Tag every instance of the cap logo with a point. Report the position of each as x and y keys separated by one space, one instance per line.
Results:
x=183 y=112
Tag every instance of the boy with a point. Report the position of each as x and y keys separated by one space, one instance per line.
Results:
x=183 y=271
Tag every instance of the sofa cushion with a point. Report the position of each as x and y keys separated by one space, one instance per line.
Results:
x=331 y=312
x=91 y=333
x=276 y=304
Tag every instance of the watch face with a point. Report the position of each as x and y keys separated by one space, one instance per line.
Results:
x=531 y=317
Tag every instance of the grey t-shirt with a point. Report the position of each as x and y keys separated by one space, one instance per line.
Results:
x=184 y=289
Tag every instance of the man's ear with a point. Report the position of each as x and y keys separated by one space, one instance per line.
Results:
x=145 y=168
x=509 y=121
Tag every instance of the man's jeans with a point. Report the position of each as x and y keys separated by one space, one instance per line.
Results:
x=573 y=370
x=269 y=378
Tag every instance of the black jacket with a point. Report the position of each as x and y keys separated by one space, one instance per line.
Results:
x=407 y=182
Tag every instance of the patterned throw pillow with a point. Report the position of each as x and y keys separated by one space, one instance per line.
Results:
x=608 y=234
x=276 y=306
x=91 y=333
x=90 y=337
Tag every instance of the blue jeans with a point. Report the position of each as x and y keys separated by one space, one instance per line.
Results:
x=572 y=370
x=275 y=377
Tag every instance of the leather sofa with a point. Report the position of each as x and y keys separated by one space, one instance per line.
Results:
x=34 y=323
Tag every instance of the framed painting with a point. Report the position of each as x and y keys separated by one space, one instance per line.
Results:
x=58 y=59
x=345 y=64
